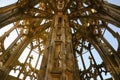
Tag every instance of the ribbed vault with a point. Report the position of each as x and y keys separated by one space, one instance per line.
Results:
x=29 y=26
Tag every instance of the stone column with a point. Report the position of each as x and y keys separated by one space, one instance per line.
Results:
x=61 y=62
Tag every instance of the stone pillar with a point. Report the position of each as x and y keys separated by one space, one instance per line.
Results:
x=61 y=62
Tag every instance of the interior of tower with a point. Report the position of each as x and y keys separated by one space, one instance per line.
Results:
x=59 y=40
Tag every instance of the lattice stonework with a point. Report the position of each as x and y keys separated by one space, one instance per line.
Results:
x=60 y=40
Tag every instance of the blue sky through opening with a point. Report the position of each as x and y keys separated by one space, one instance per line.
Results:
x=109 y=38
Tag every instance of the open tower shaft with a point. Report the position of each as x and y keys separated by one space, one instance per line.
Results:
x=60 y=40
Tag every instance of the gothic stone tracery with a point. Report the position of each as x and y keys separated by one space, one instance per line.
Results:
x=57 y=38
